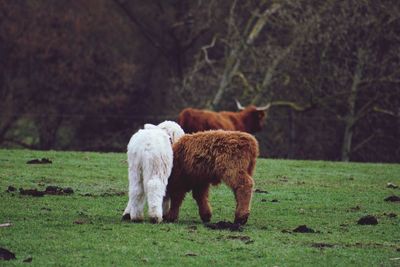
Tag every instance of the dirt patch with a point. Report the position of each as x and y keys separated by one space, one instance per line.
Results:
x=28 y=259
x=56 y=190
x=322 y=245
x=368 y=220
x=266 y=200
x=31 y=192
x=303 y=229
x=50 y=190
x=393 y=199
x=105 y=194
x=10 y=189
x=190 y=254
x=39 y=161
x=7 y=255
x=223 y=225
x=259 y=191
x=245 y=239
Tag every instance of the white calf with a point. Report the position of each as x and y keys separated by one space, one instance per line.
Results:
x=150 y=160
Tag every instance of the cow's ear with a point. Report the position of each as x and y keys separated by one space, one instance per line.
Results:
x=150 y=126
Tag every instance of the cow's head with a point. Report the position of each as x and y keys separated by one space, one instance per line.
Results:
x=253 y=117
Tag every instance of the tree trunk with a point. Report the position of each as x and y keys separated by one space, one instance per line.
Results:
x=48 y=128
x=351 y=116
x=292 y=134
x=233 y=60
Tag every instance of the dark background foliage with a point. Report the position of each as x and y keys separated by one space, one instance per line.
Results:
x=86 y=74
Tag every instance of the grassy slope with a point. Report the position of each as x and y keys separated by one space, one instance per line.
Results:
x=322 y=195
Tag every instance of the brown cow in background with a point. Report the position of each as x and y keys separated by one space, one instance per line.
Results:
x=249 y=119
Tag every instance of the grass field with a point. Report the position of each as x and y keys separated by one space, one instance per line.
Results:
x=85 y=228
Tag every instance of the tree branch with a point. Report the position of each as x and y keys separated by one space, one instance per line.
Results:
x=141 y=27
x=362 y=143
x=234 y=59
x=204 y=49
x=387 y=112
x=293 y=105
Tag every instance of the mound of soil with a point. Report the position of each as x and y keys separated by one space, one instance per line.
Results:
x=223 y=225
x=105 y=194
x=56 y=190
x=368 y=220
x=303 y=229
x=7 y=255
x=39 y=161
x=393 y=198
x=50 y=190
x=11 y=189
x=31 y=192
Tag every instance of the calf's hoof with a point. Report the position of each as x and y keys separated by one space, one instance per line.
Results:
x=126 y=217
x=205 y=218
x=242 y=220
x=169 y=219
x=155 y=220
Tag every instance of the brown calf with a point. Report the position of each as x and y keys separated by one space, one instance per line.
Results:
x=210 y=157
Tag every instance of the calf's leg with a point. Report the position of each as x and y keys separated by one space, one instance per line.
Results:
x=243 y=191
x=200 y=194
x=166 y=205
x=136 y=201
x=177 y=197
x=155 y=192
x=135 y=206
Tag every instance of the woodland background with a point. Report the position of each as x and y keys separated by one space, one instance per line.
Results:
x=86 y=74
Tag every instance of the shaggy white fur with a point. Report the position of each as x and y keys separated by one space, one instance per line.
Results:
x=150 y=160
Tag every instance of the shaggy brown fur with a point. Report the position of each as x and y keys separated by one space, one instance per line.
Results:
x=210 y=157
x=248 y=120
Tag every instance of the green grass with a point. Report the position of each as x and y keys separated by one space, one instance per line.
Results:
x=326 y=196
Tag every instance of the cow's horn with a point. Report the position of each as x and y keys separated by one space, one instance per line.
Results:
x=239 y=106
x=267 y=106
